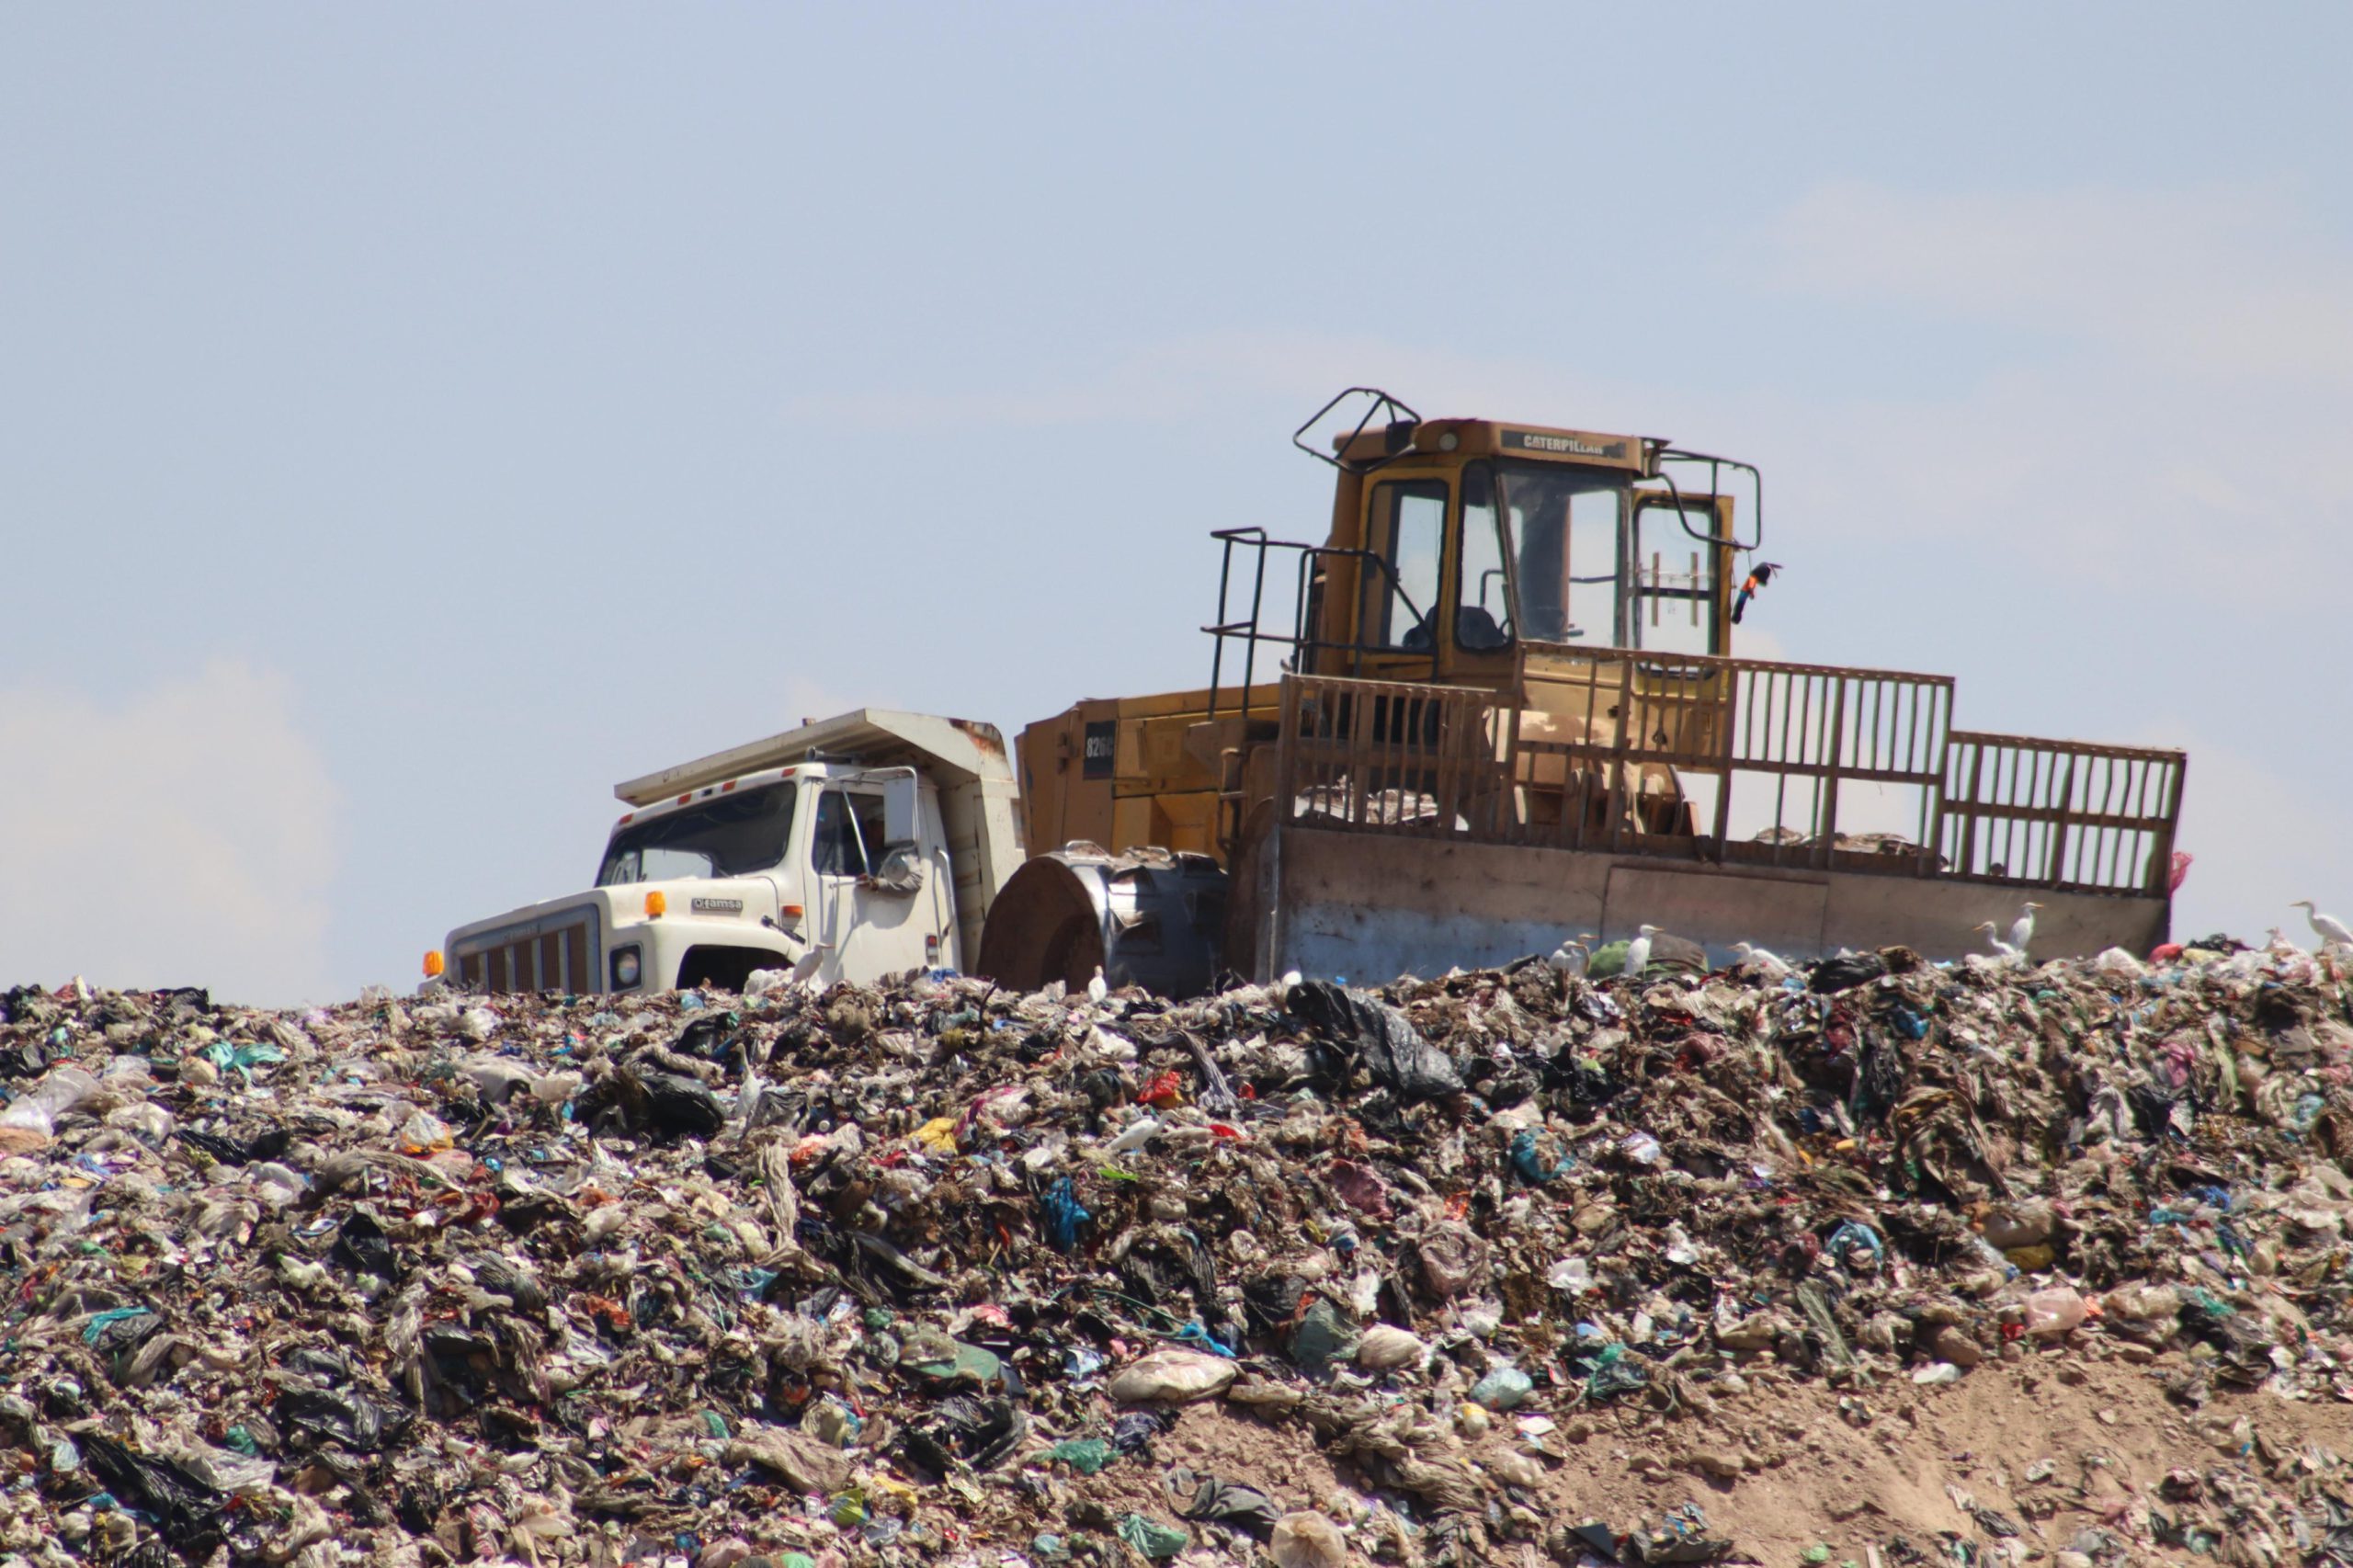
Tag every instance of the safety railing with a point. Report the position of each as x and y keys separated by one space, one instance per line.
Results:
x=1611 y=743
x=1393 y=756
x=2062 y=814
x=1738 y=761
x=1299 y=645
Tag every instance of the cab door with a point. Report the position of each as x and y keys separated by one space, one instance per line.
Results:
x=1677 y=572
x=1482 y=602
x=863 y=929
x=1677 y=606
x=1400 y=627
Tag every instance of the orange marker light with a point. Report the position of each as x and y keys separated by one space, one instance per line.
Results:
x=657 y=904
x=792 y=912
x=433 y=964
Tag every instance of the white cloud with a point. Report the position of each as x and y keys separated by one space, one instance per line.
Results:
x=2165 y=430
x=185 y=837
x=2216 y=280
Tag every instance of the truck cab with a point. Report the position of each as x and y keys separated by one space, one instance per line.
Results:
x=876 y=848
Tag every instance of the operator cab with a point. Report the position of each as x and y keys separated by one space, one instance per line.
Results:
x=1455 y=540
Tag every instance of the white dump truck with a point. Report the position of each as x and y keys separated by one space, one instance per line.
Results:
x=865 y=844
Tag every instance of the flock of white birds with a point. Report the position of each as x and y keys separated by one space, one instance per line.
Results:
x=1573 y=955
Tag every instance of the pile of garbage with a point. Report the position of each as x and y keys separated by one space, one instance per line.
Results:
x=925 y=1273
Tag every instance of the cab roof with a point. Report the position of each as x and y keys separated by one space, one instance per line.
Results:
x=1491 y=437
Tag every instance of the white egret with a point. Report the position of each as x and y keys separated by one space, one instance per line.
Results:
x=2003 y=951
x=2332 y=932
x=2022 y=928
x=1768 y=964
x=1571 y=956
x=1638 y=951
x=1096 y=989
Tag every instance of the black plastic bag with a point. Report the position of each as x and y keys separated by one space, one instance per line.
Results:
x=362 y=1247
x=1383 y=1039
x=1846 y=972
x=268 y=1144
x=19 y=1002
x=186 y=1004
x=344 y=1417
x=2152 y=1110
x=1132 y=1433
x=227 y=1151
x=184 y=1507
x=983 y=1432
x=500 y=1278
x=711 y=1037
x=680 y=1106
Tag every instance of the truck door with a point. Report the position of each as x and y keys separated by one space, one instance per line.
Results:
x=865 y=928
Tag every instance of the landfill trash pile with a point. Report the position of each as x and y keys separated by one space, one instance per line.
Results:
x=1509 y=1265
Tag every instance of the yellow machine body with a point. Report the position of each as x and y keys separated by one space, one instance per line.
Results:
x=1500 y=704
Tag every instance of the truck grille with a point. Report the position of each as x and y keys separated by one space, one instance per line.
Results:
x=555 y=952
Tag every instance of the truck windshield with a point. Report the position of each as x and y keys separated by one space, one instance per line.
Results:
x=1563 y=525
x=727 y=835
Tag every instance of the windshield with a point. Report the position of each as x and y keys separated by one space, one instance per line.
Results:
x=727 y=835
x=1564 y=523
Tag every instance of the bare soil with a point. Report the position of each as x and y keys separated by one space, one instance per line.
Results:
x=2054 y=1441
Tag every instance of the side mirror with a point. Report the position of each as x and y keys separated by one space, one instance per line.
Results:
x=901 y=872
x=899 y=806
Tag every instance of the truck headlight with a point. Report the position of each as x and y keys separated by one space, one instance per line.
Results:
x=627 y=967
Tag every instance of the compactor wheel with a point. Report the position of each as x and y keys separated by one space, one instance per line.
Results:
x=1148 y=917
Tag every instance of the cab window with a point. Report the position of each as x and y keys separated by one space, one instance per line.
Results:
x=726 y=835
x=1674 y=589
x=1483 y=617
x=848 y=838
x=1409 y=526
x=1565 y=524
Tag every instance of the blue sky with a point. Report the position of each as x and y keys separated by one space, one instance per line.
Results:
x=412 y=421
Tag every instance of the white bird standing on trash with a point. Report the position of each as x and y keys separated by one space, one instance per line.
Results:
x=1571 y=956
x=2002 y=949
x=1096 y=989
x=2332 y=932
x=1769 y=964
x=2022 y=928
x=1638 y=951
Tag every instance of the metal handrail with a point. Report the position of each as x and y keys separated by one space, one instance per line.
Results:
x=1302 y=639
x=1339 y=459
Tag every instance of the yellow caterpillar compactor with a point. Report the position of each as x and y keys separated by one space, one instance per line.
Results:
x=1500 y=705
